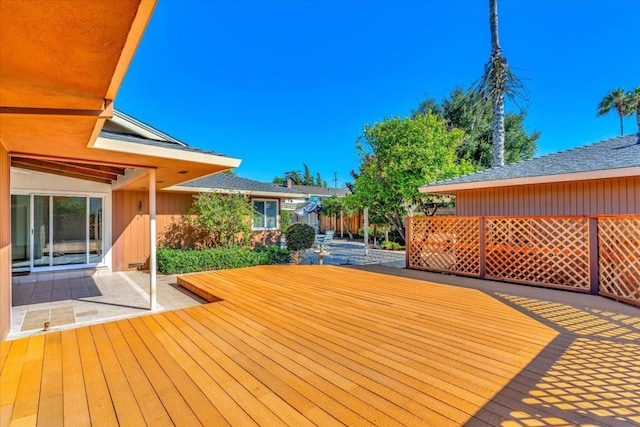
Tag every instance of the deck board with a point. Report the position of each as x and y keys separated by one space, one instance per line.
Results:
x=325 y=345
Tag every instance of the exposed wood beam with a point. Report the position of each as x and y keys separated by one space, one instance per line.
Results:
x=58 y=172
x=18 y=154
x=111 y=170
x=105 y=113
x=65 y=168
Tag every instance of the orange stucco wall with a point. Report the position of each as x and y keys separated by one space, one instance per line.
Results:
x=5 y=244
x=593 y=197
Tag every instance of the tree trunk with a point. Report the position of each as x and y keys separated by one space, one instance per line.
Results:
x=498 y=95
x=621 y=123
x=638 y=117
x=498 y=132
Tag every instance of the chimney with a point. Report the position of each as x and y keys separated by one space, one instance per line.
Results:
x=288 y=185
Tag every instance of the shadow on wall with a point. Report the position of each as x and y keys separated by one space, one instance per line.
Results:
x=180 y=234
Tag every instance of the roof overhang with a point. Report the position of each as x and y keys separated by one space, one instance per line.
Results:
x=268 y=194
x=62 y=66
x=543 y=179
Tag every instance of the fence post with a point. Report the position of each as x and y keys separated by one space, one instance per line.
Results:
x=593 y=256
x=407 y=240
x=482 y=253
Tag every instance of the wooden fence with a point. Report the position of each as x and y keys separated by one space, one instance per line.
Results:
x=353 y=222
x=600 y=255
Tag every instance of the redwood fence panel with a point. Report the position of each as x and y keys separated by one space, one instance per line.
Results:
x=448 y=244
x=619 y=257
x=584 y=254
x=544 y=251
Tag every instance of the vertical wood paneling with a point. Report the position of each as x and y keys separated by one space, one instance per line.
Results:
x=596 y=197
x=5 y=243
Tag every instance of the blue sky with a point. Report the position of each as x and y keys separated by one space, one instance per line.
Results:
x=279 y=83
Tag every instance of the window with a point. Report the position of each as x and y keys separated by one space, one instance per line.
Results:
x=265 y=214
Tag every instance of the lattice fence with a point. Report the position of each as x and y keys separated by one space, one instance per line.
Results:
x=449 y=244
x=619 y=257
x=548 y=251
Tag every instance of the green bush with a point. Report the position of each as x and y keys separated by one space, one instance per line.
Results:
x=391 y=246
x=179 y=261
x=274 y=254
x=300 y=236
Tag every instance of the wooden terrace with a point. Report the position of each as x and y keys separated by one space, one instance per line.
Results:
x=326 y=345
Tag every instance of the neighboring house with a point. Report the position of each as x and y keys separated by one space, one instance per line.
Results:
x=313 y=195
x=568 y=220
x=76 y=178
x=266 y=200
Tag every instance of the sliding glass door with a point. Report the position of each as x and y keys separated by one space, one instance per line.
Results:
x=64 y=231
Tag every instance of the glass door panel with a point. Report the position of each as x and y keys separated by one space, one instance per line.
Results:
x=69 y=230
x=41 y=232
x=20 y=232
x=95 y=230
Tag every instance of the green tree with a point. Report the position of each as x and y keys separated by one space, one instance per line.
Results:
x=225 y=219
x=632 y=100
x=308 y=178
x=297 y=178
x=497 y=82
x=397 y=156
x=615 y=100
x=347 y=205
x=465 y=110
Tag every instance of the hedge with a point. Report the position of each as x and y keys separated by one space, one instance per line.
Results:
x=180 y=261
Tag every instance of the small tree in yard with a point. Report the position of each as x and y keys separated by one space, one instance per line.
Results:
x=300 y=237
x=224 y=219
x=397 y=157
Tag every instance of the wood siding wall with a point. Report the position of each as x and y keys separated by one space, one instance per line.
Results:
x=5 y=243
x=131 y=229
x=595 y=197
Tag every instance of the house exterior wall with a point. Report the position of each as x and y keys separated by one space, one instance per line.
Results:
x=131 y=228
x=594 y=197
x=5 y=243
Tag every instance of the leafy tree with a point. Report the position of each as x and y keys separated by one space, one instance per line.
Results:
x=397 y=157
x=306 y=178
x=497 y=82
x=632 y=100
x=225 y=219
x=615 y=100
x=348 y=205
x=465 y=110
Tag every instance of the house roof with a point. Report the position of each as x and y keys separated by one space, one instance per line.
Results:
x=312 y=190
x=154 y=142
x=616 y=157
x=124 y=123
x=224 y=182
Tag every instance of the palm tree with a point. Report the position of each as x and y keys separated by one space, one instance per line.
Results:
x=496 y=83
x=614 y=100
x=632 y=101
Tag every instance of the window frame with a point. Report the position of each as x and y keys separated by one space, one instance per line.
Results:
x=264 y=221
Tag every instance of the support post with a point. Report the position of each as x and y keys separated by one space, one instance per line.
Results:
x=593 y=256
x=153 y=300
x=407 y=240
x=483 y=265
x=366 y=231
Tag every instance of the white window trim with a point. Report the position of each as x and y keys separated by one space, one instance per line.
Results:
x=277 y=227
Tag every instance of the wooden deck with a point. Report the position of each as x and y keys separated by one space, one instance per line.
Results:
x=325 y=345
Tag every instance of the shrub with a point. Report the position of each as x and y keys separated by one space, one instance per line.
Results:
x=179 y=261
x=392 y=246
x=274 y=254
x=224 y=218
x=300 y=237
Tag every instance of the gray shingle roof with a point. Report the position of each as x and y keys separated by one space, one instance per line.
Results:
x=320 y=191
x=153 y=142
x=225 y=181
x=616 y=153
